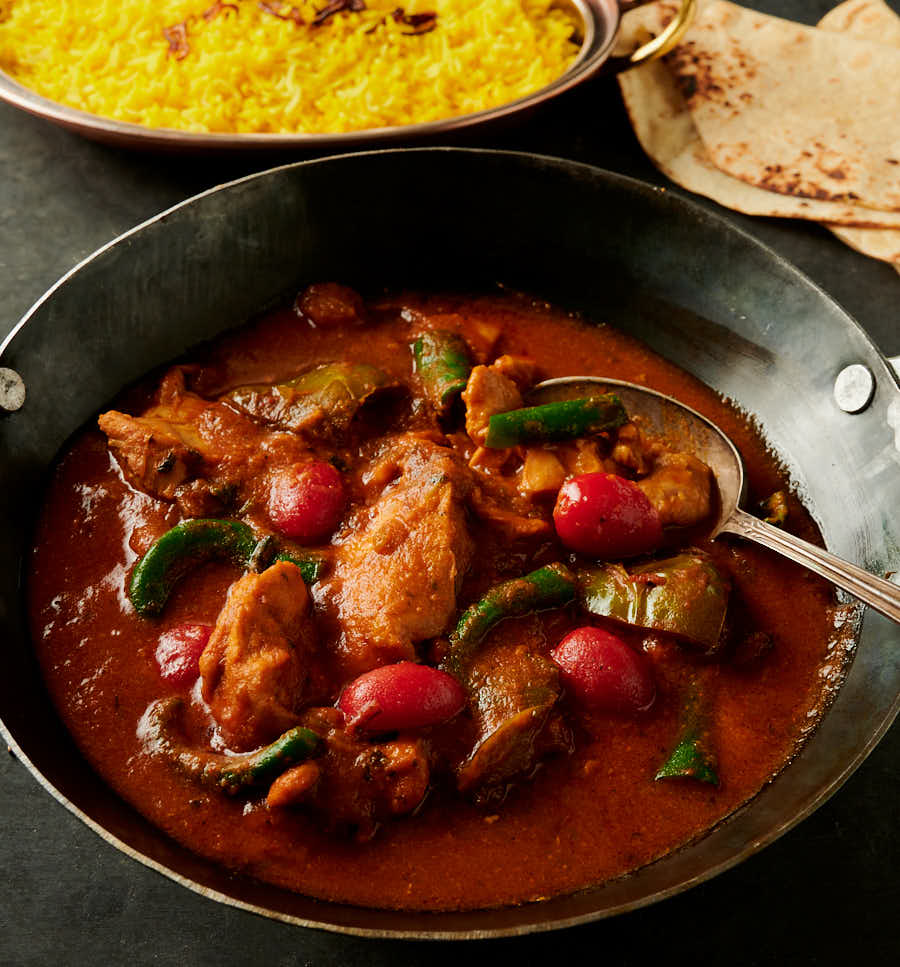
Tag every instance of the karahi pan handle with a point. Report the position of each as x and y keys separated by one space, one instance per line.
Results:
x=669 y=38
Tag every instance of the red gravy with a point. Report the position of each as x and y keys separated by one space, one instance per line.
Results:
x=583 y=818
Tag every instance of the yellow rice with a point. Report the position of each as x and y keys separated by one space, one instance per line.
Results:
x=249 y=71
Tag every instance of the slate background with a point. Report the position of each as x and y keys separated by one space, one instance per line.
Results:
x=827 y=892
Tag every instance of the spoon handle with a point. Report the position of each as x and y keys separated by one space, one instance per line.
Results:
x=882 y=595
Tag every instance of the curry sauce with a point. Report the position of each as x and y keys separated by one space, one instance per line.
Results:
x=587 y=807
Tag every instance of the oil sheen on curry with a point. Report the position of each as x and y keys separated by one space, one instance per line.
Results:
x=333 y=605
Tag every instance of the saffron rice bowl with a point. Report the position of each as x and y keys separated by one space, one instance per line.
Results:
x=276 y=67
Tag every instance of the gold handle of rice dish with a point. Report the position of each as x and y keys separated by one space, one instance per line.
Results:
x=669 y=38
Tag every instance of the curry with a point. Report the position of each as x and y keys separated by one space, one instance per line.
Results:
x=334 y=603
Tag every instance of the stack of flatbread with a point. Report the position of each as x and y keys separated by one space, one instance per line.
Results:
x=771 y=117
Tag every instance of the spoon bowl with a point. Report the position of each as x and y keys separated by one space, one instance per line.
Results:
x=689 y=431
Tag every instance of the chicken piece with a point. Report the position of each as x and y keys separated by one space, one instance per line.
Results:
x=487 y=392
x=256 y=666
x=542 y=473
x=493 y=461
x=195 y=451
x=158 y=456
x=293 y=786
x=634 y=450
x=326 y=305
x=163 y=449
x=521 y=370
x=680 y=488
x=584 y=456
x=497 y=503
x=397 y=572
x=495 y=389
x=357 y=783
x=678 y=485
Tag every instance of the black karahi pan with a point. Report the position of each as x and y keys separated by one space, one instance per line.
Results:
x=697 y=290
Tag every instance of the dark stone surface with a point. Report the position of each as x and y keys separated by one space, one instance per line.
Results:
x=827 y=892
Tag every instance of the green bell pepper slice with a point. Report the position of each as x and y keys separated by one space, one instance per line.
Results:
x=685 y=596
x=562 y=420
x=692 y=756
x=551 y=586
x=195 y=541
x=230 y=773
x=443 y=363
x=330 y=395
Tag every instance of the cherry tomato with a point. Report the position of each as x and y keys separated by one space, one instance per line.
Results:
x=602 y=673
x=178 y=653
x=401 y=696
x=306 y=501
x=606 y=516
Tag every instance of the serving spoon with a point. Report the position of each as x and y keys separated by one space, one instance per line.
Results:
x=689 y=430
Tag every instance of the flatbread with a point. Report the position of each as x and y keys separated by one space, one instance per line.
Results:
x=666 y=131
x=794 y=109
x=872 y=20
x=878 y=243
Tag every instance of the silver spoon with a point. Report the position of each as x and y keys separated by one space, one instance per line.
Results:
x=687 y=430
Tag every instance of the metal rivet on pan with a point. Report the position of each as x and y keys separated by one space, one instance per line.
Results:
x=12 y=390
x=854 y=388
